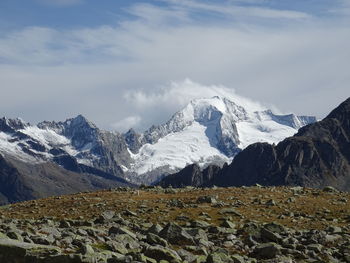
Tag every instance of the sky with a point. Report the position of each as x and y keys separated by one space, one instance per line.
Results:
x=131 y=64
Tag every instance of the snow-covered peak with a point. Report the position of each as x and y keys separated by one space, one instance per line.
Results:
x=11 y=125
x=290 y=120
x=208 y=130
x=79 y=130
x=206 y=109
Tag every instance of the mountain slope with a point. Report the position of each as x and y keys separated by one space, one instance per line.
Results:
x=57 y=158
x=74 y=144
x=206 y=131
x=318 y=155
x=21 y=181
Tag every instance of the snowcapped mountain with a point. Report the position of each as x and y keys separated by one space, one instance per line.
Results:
x=206 y=131
x=75 y=144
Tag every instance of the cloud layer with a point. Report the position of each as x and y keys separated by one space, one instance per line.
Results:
x=133 y=72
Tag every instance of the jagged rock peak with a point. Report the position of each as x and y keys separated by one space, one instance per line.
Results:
x=133 y=140
x=206 y=109
x=80 y=120
x=71 y=123
x=11 y=125
x=341 y=113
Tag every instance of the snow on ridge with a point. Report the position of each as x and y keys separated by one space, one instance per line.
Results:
x=177 y=150
x=206 y=127
x=13 y=149
x=45 y=136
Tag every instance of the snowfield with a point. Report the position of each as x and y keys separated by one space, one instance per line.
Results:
x=177 y=150
x=206 y=131
x=207 y=128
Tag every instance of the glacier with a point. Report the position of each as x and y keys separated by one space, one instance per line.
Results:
x=206 y=131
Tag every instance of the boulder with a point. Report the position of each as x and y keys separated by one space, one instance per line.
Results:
x=176 y=235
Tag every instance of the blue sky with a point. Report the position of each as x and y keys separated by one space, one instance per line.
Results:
x=133 y=63
x=68 y=14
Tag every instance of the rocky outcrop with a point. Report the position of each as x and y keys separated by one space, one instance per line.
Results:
x=191 y=175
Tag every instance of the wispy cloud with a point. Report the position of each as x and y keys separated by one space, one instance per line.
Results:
x=127 y=123
x=116 y=74
x=233 y=9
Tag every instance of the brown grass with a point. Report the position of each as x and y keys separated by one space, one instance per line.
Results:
x=318 y=209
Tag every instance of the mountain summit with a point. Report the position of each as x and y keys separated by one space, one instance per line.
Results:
x=317 y=156
x=206 y=131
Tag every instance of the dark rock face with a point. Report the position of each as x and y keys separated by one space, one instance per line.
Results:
x=12 y=188
x=110 y=148
x=11 y=125
x=20 y=181
x=190 y=176
x=318 y=155
x=133 y=140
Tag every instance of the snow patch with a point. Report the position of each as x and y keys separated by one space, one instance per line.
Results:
x=176 y=150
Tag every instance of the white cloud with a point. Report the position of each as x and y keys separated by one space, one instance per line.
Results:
x=157 y=105
x=176 y=95
x=55 y=74
x=127 y=123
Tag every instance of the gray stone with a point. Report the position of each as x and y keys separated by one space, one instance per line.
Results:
x=266 y=251
x=43 y=240
x=271 y=202
x=155 y=229
x=237 y=259
x=64 y=224
x=330 y=189
x=15 y=235
x=13 y=251
x=176 y=235
x=117 y=247
x=200 y=223
x=334 y=230
x=270 y=236
x=230 y=211
x=154 y=239
x=315 y=247
x=206 y=199
x=120 y=231
x=86 y=249
x=214 y=258
x=228 y=224
x=105 y=217
x=275 y=228
x=161 y=253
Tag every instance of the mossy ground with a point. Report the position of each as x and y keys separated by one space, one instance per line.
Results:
x=312 y=209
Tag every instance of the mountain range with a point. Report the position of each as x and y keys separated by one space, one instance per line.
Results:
x=53 y=158
x=317 y=156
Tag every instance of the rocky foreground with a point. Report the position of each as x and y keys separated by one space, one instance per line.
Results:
x=255 y=224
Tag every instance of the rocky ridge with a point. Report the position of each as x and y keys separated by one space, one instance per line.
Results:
x=256 y=224
x=207 y=131
x=317 y=156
